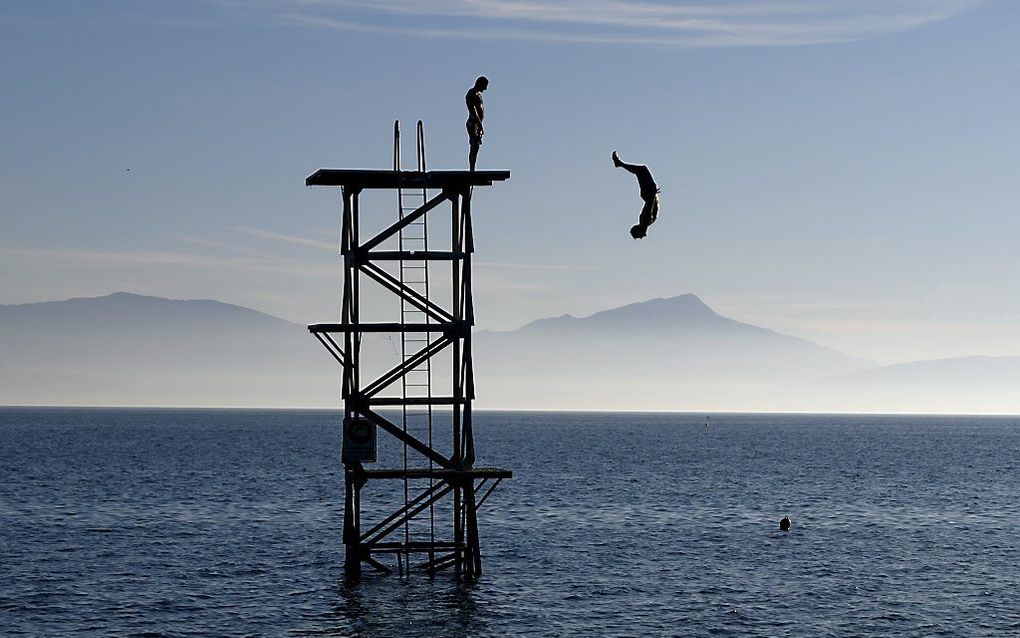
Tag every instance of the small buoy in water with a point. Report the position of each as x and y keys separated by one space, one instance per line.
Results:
x=785 y=523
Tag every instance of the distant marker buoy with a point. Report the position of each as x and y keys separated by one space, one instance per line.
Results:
x=785 y=523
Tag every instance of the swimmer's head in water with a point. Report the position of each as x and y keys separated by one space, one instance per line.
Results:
x=785 y=523
x=637 y=231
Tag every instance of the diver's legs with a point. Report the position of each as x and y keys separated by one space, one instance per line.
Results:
x=473 y=155
x=630 y=168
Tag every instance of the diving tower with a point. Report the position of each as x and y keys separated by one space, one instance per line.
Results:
x=433 y=490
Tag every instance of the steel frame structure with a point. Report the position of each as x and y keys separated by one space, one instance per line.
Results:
x=451 y=476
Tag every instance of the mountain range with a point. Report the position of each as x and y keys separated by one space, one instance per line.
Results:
x=664 y=354
x=127 y=349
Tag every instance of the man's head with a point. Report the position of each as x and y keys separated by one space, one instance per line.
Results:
x=637 y=231
x=481 y=83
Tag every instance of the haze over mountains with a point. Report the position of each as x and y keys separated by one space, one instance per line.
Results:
x=650 y=355
x=663 y=354
x=126 y=349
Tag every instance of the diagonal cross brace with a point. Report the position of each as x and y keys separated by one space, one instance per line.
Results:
x=415 y=298
x=410 y=218
x=411 y=441
x=429 y=497
x=389 y=519
x=434 y=347
x=331 y=346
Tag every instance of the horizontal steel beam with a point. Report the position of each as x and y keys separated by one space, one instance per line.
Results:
x=412 y=255
x=413 y=546
x=452 y=327
x=415 y=401
x=368 y=178
x=423 y=473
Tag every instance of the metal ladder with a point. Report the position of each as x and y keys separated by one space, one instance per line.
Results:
x=417 y=381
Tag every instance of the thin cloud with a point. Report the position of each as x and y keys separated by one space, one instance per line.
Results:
x=81 y=260
x=545 y=267
x=205 y=243
x=680 y=24
x=290 y=239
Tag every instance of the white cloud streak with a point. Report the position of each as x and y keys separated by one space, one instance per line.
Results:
x=205 y=243
x=77 y=260
x=540 y=267
x=648 y=22
x=290 y=239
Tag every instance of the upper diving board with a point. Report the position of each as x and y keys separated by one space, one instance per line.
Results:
x=370 y=178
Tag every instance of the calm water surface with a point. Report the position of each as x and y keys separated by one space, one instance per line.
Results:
x=198 y=523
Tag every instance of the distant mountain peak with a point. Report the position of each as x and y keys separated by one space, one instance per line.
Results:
x=120 y=306
x=685 y=309
x=119 y=296
x=123 y=293
x=687 y=303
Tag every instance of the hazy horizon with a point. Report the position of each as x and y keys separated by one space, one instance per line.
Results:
x=660 y=355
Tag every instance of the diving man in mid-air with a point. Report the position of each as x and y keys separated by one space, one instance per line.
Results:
x=649 y=194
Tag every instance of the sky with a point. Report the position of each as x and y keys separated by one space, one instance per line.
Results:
x=844 y=171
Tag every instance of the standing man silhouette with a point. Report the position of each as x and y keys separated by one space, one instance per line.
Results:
x=476 y=113
x=649 y=194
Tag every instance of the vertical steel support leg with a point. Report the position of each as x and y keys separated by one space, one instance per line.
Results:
x=473 y=556
x=467 y=311
x=467 y=381
x=349 y=314
x=352 y=557
x=458 y=388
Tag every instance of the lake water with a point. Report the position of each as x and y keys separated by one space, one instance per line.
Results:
x=209 y=523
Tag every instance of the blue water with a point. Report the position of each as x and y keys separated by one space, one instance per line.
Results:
x=200 y=523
